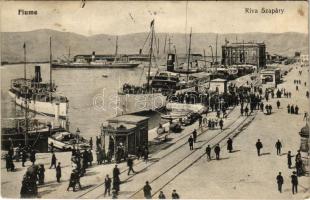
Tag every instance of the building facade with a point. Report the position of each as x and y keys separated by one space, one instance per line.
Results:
x=218 y=85
x=244 y=53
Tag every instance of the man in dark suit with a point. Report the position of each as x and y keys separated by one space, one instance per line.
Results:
x=217 y=151
x=294 y=181
x=191 y=143
x=259 y=146
x=208 y=152
x=280 y=182
x=130 y=165
x=107 y=185
x=58 y=172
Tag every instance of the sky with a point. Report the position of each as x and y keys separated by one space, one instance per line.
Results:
x=117 y=18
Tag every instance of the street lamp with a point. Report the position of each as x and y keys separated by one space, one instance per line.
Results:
x=304 y=148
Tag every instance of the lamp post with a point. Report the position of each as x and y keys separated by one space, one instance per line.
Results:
x=304 y=148
x=221 y=103
x=103 y=135
x=77 y=137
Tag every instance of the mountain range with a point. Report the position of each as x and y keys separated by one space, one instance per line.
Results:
x=37 y=43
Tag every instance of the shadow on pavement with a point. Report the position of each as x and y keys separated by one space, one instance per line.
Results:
x=141 y=171
x=153 y=160
x=51 y=184
x=40 y=194
x=87 y=187
x=224 y=158
x=90 y=173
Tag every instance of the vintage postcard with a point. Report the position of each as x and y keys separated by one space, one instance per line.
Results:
x=155 y=99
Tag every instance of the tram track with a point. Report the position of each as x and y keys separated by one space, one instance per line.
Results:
x=202 y=155
x=162 y=157
x=194 y=151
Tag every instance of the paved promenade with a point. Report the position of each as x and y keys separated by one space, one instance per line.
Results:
x=241 y=174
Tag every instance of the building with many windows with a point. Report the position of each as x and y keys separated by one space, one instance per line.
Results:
x=244 y=53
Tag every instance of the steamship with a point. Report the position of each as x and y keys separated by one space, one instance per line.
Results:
x=154 y=95
x=95 y=62
x=38 y=96
x=162 y=85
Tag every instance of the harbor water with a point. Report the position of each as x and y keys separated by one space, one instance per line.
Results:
x=92 y=94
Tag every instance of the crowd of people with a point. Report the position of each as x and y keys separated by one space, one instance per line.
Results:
x=35 y=174
x=249 y=99
x=291 y=109
x=147 y=192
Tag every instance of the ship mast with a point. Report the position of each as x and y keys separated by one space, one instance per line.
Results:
x=51 y=82
x=26 y=99
x=26 y=118
x=24 y=47
x=165 y=44
x=157 y=47
x=216 y=49
x=189 y=53
x=151 y=52
x=204 y=57
x=169 y=45
x=243 y=56
x=116 y=48
x=175 y=53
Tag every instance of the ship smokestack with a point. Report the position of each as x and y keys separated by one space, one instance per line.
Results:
x=93 y=57
x=37 y=74
x=170 y=62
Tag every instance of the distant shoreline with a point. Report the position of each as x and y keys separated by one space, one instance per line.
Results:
x=14 y=63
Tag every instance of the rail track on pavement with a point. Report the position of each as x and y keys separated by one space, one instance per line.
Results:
x=170 y=179
x=162 y=157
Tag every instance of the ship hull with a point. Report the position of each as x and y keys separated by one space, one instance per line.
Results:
x=95 y=66
x=47 y=108
x=133 y=103
x=38 y=139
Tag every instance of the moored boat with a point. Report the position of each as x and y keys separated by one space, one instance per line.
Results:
x=95 y=65
x=160 y=86
x=117 y=61
x=37 y=96
x=34 y=133
x=41 y=97
x=67 y=141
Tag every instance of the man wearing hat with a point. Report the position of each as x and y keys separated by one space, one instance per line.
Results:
x=175 y=195
x=147 y=190
x=130 y=165
x=280 y=182
x=294 y=180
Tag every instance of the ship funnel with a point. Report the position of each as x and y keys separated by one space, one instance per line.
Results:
x=140 y=51
x=170 y=62
x=37 y=74
x=93 y=57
